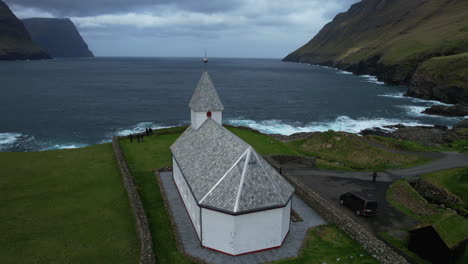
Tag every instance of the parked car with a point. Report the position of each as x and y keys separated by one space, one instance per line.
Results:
x=359 y=204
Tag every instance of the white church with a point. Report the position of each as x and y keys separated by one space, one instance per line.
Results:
x=237 y=202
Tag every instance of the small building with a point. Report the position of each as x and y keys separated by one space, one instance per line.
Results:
x=237 y=202
x=433 y=243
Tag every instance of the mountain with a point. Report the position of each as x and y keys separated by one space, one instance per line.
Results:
x=15 y=42
x=422 y=44
x=58 y=37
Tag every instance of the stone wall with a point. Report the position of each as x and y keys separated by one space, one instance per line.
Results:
x=147 y=255
x=281 y=159
x=369 y=242
x=438 y=195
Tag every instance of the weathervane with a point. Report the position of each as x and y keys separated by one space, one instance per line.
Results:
x=205 y=60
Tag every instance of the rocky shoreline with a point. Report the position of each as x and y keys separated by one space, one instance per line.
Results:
x=426 y=135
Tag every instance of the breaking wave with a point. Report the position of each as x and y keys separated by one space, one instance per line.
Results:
x=138 y=128
x=412 y=99
x=371 y=79
x=342 y=123
x=344 y=72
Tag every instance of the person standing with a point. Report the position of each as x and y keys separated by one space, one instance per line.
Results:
x=374 y=176
x=131 y=138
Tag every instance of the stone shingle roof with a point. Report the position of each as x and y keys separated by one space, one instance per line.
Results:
x=205 y=97
x=227 y=174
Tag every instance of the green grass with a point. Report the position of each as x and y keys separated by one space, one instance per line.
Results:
x=403 y=246
x=65 y=206
x=451 y=227
x=454 y=181
x=405 y=198
x=407 y=145
x=143 y=158
x=154 y=153
x=328 y=244
x=342 y=149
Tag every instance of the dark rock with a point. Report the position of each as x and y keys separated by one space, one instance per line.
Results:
x=430 y=136
x=375 y=131
x=15 y=42
x=59 y=37
x=461 y=124
x=442 y=110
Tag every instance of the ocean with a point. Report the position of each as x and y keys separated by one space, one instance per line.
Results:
x=70 y=103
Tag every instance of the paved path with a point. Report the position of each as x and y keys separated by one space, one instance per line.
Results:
x=191 y=243
x=447 y=160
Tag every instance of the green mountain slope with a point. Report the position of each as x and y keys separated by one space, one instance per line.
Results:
x=391 y=39
x=15 y=42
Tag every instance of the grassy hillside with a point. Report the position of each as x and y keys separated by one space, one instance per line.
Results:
x=391 y=39
x=15 y=42
x=65 y=206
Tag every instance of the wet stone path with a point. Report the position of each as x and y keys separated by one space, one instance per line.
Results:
x=191 y=243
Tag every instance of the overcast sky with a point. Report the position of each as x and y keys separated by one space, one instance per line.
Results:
x=185 y=28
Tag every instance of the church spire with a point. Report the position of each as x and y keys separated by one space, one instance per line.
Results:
x=205 y=102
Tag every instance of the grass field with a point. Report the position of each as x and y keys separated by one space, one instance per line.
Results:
x=65 y=206
x=154 y=153
x=348 y=151
x=451 y=227
x=328 y=244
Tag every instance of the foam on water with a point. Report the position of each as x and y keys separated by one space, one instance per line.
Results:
x=8 y=139
x=417 y=111
x=401 y=95
x=65 y=146
x=342 y=123
x=371 y=79
x=139 y=128
x=344 y=72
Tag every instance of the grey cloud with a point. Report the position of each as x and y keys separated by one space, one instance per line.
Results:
x=97 y=7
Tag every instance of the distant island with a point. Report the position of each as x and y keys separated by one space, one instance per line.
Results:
x=58 y=37
x=416 y=43
x=15 y=42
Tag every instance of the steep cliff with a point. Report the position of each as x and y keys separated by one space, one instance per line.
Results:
x=392 y=39
x=15 y=42
x=58 y=37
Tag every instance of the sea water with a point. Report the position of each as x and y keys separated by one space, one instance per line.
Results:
x=70 y=103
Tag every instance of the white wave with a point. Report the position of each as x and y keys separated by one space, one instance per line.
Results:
x=342 y=123
x=8 y=139
x=371 y=79
x=138 y=128
x=413 y=99
x=417 y=111
x=433 y=102
x=141 y=127
x=65 y=146
x=344 y=72
x=394 y=95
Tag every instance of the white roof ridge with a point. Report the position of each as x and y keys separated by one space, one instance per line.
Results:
x=224 y=176
x=269 y=177
x=239 y=190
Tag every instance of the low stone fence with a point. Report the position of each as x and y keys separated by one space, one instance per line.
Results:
x=369 y=242
x=147 y=255
x=281 y=159
x=438 y=195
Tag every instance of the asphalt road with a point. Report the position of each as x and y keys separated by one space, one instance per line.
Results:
x=331 y=184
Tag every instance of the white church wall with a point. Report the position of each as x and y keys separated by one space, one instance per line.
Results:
x=286 y=211
x=218 y=231
x=239 y=234
x=190 y=203
x=197 y=118
x=259 y=230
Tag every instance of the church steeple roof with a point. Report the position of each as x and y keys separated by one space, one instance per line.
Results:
x=205 y=97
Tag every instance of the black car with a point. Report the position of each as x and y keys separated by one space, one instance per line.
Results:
x=359 y=204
